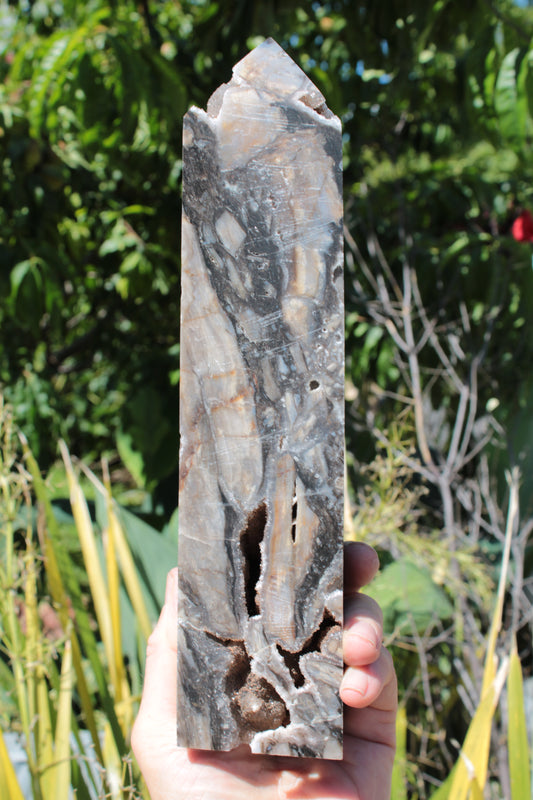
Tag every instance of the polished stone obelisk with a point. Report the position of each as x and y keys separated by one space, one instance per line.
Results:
x=261 y=417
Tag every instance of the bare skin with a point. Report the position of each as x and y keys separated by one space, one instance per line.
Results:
x=368 y=691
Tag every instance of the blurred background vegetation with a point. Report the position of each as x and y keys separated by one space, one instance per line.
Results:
x=436 y=100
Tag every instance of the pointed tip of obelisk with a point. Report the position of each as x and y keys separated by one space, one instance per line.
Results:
x=270 y=68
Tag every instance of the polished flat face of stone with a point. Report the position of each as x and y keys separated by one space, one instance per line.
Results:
x=261 y=417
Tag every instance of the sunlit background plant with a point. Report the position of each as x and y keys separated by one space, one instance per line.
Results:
x=436 y=104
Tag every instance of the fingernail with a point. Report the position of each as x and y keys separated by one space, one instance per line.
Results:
x=289 y=781
x=357 y=685
x=366 y=633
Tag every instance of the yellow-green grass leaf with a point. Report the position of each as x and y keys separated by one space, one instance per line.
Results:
x=12 y=639
x=33 y=651
x=517 y=732
x=99 y=594
x=91 y=558
x=129 y=573
x=60 y=777
x=443 y=792
x=50 y=561
x=50 y=534
x=489 y=672
x=113 y=581
x=113 y=764
x=471 y=767
x=127 y=564
x=475 y=791
x=121 y=686
x=37 y=687
x=9 y=785
x=106 y=602
x=399 y=772
x=45 y=740
x=469 y=773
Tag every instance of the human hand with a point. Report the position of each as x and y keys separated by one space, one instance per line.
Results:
x=368 y=691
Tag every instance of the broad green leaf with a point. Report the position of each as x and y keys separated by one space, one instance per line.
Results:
x=21 y=271
x=144 y=447
x=407 y=595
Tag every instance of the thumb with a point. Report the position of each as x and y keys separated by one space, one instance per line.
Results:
x=155 y=727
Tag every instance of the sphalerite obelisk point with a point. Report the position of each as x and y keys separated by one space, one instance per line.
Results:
x=261 y=417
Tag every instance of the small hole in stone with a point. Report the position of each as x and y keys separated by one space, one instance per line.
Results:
x=312 y=645
x=313 y=385
x=294 y=516
x=292 y=662
x=337 y=272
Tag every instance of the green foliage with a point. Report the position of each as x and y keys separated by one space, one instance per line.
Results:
x=90 y=131
x=436 y=104
x=154 y=554
x=409 y=597
x=77 y=602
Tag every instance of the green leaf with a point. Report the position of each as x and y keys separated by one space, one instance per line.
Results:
x=408 y=595
x=145 y=438
x=27 y=293
x=21 y=272
x=154 y=554
x=510 y=99
x=524 y=86
x=470 y=771
x=132 y=458
x=372 y=74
